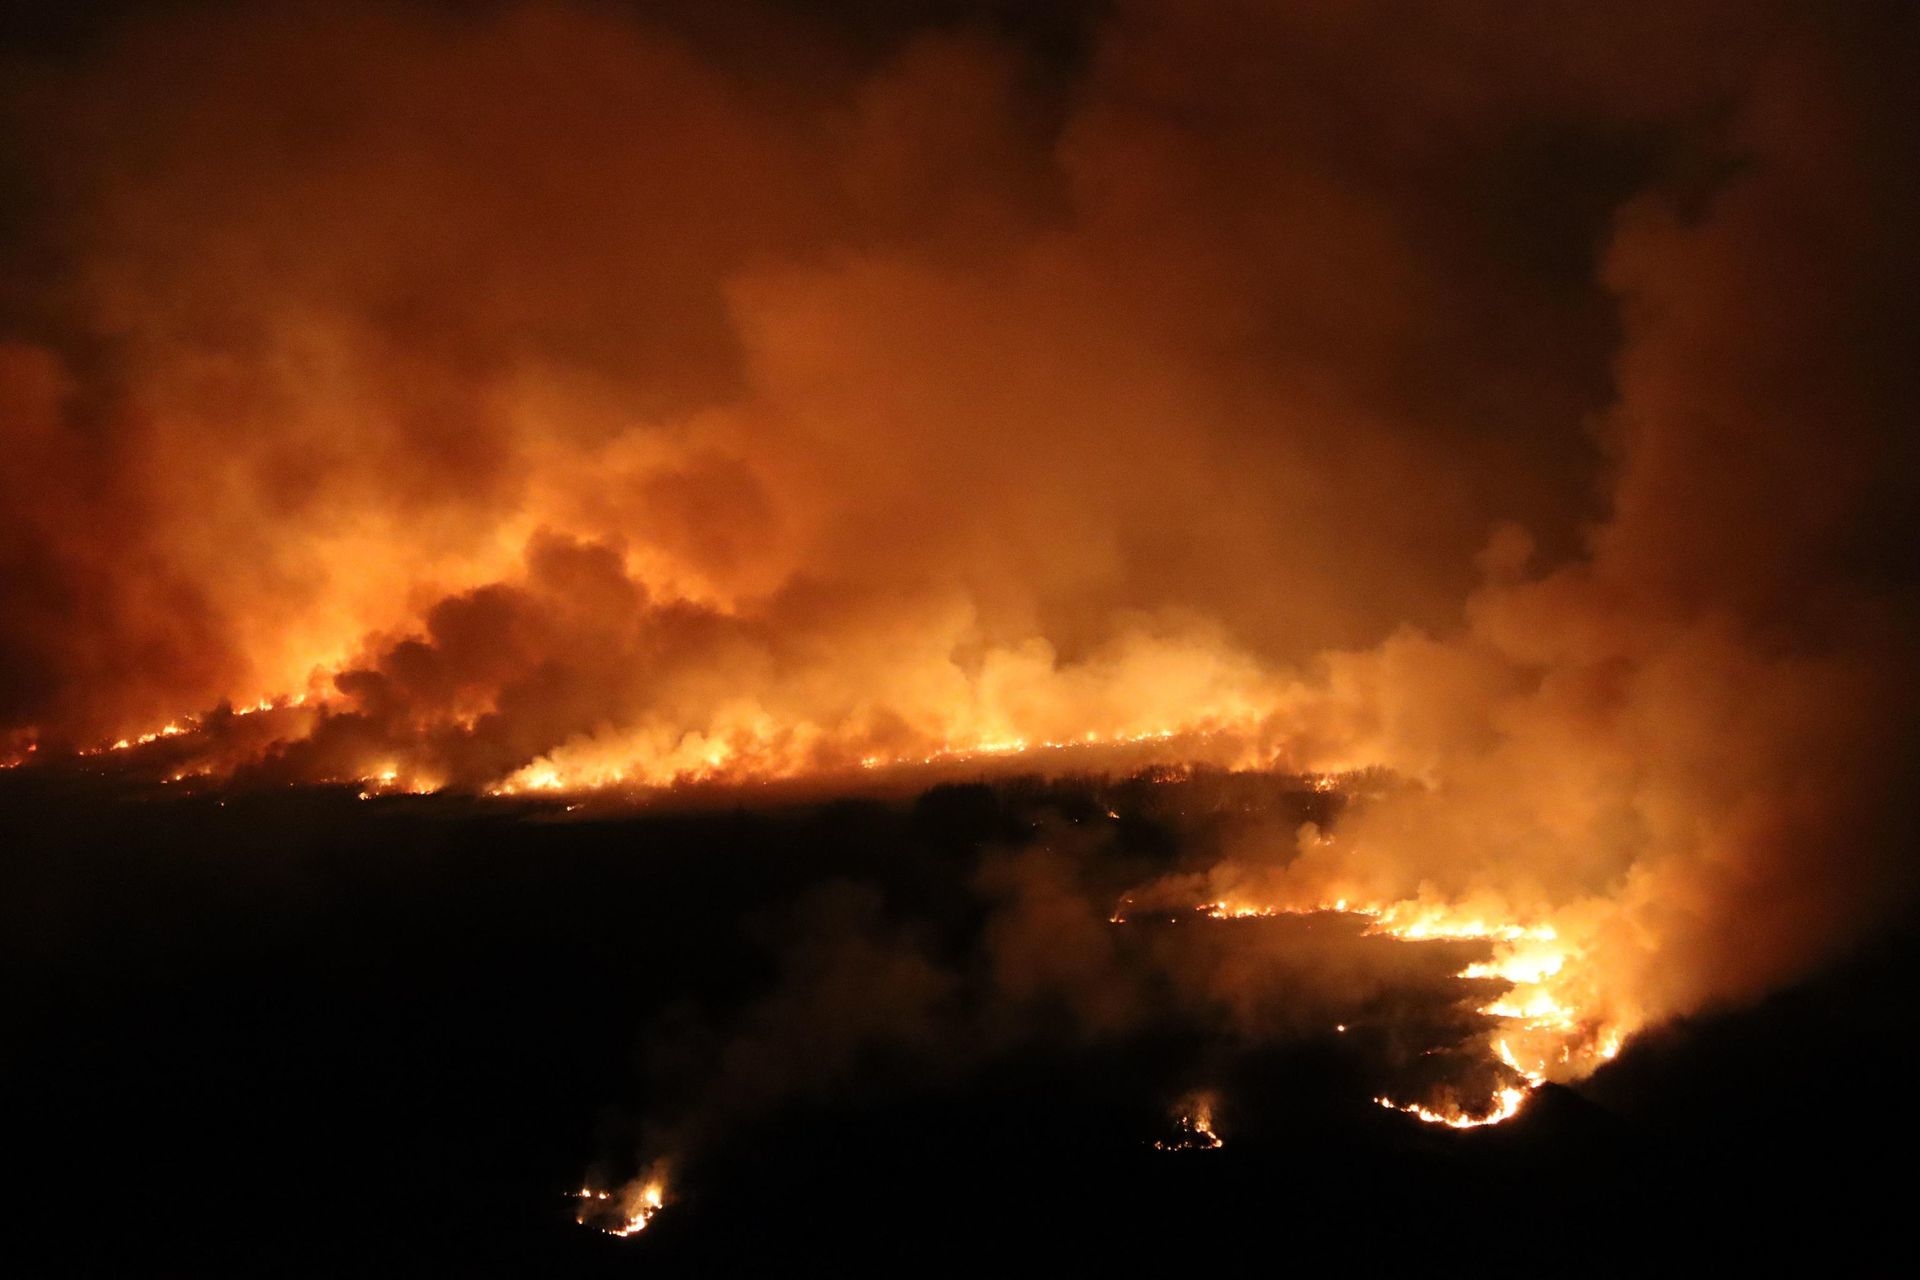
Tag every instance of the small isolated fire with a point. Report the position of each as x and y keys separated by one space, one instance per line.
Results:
x=1193 y=1120
x=626 y=1213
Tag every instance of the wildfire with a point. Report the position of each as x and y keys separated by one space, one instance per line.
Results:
x=739 y=746
x=1506 y=1105
x=760 y=751
x=638 y=1206
x=1544 y=1030
x=171 y=729
x=1193 y=1118
x=1544 y=1024
x=185 y=725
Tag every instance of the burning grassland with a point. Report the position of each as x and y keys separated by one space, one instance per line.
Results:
x=1429 y=493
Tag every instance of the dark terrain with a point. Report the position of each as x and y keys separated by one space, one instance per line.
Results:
x=298 y=1033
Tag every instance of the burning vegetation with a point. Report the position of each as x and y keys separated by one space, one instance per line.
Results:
x=627 y=1213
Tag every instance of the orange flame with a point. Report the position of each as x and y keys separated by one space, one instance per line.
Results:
x=1547 y=1029
x=639 y=1204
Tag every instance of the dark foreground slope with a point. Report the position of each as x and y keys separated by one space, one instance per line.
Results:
x=304 y=1034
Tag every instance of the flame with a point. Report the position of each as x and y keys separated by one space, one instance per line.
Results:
x=1193 y=1117
x=1506 y=1105
x=759 y=750
x=639 y=1205
x=1165 y=703
x=1545 y=1029
x=1549 y=1026
x=742 y=748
